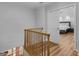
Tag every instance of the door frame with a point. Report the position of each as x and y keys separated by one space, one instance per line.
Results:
x=75 y=29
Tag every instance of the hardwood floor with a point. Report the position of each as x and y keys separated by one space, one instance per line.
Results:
x=66 y=46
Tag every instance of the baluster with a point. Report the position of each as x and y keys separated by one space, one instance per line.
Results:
x=25 y=44
x=48 y=48
x=27 y=38
x=44 y=45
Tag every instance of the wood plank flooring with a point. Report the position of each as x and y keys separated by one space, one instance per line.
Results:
x=66 y=46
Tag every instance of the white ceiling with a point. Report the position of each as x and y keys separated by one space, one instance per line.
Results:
x=27 y=4
x=31 y=4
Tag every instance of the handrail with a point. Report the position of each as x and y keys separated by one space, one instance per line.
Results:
x=35 y=41
x=35 y=28
x=43 y=33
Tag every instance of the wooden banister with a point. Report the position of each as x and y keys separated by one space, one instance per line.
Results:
x=42 y=33
x=36 y=42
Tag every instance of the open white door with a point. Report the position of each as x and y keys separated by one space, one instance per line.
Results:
x=52 y=24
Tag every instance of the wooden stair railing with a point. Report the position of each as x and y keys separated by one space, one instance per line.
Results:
x=36 y=42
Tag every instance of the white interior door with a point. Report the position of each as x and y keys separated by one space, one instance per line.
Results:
x=52 y=22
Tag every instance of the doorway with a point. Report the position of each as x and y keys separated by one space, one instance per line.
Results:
x=67 y=22
x=62 y=28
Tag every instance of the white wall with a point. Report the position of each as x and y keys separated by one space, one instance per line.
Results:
x=41 y=12
x=69 y=11
x=41 y=17
x=52 y=25
x=13 y=20
x=77 y=21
